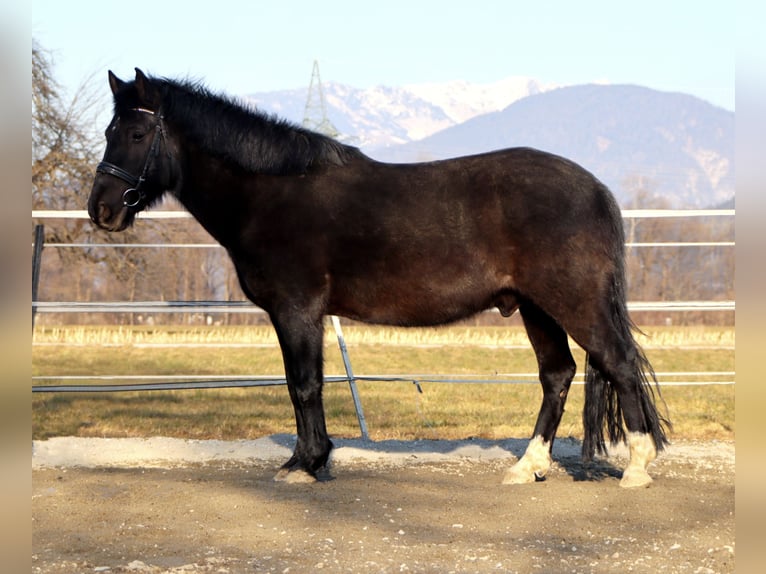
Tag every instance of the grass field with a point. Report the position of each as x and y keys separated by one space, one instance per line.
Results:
x=392 y=409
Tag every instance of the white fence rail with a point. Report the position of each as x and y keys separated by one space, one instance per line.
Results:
x=177 y=214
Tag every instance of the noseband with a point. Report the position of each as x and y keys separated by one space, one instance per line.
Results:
x=134 y=197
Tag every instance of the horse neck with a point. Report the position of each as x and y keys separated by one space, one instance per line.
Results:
x=225 y=177
x=212 y=192
x=251 y=141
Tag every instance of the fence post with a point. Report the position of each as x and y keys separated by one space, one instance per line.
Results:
x=350 y=375
x=37 y=254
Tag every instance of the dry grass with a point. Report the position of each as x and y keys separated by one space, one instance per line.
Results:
x=392 y=409
x=356 y=335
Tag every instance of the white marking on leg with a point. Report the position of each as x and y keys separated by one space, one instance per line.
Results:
x=642 y=452
x=535 y=462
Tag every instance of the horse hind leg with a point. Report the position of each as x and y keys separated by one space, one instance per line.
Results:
x=557 y=369
x=620 y=400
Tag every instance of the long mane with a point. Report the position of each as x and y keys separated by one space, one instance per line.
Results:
x=240 y=134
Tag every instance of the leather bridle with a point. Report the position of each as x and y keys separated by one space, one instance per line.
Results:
x=134 y=197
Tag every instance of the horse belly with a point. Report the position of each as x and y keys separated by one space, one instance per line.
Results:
x=425 y=301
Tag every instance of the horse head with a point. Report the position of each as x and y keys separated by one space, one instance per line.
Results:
x=137 y=166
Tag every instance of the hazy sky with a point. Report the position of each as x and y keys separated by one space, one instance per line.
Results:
x=242 y=47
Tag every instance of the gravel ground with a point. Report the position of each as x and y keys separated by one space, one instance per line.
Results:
x=175 y=506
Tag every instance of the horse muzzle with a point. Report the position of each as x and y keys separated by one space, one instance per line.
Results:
x=109 y=216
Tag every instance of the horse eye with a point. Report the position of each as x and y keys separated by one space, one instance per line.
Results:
x=137 y=136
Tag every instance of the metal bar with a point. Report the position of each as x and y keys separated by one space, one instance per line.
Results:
x=154 y=304
x=242 y=383
x=146 y=307
x=83 y=214
x=37 y=256
x=179 y=214
x=139 y=245
x=660 y=213
x=338 y=378
x=681 y=306
x=166 y=386
x=217 y=246
x=683 y=244
x=224 y=383
x=350 y=375
x=247 y=307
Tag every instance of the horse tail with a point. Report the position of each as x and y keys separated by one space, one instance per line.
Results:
x=602 y=414
x=601 y=410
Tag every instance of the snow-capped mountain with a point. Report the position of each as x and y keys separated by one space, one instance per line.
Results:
x=461 y=100
x=383 y=116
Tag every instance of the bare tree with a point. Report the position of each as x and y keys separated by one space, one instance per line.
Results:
x=64 y=146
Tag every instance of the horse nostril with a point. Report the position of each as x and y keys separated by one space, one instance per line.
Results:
x=104 y=213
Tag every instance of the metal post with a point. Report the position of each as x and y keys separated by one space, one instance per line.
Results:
x=350 y=375
x=37 y=254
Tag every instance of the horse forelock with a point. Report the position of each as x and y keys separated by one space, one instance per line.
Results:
x=239 y=133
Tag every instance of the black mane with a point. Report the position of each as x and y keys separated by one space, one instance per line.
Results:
x=239 y=134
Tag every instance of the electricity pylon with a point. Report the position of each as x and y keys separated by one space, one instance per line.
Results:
x=315 y=113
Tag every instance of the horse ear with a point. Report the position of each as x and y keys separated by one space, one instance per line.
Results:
x=147 y=93
x=115 y=83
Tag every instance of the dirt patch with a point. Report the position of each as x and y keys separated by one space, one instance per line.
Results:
x=172 y=506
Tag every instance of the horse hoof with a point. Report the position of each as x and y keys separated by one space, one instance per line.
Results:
x=635 y=478
x=515 y=476
x=294 y=476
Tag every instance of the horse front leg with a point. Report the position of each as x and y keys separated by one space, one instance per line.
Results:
x=301 y=342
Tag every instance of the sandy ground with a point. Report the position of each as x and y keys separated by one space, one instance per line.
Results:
x=175 y=506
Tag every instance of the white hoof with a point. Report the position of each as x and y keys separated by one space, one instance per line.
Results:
x=516 y=475
x=534 y=464
x=635 y=477
x=294 y=476
x=642 y=452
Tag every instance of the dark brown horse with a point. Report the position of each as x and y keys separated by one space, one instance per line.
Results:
x=315 y=227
